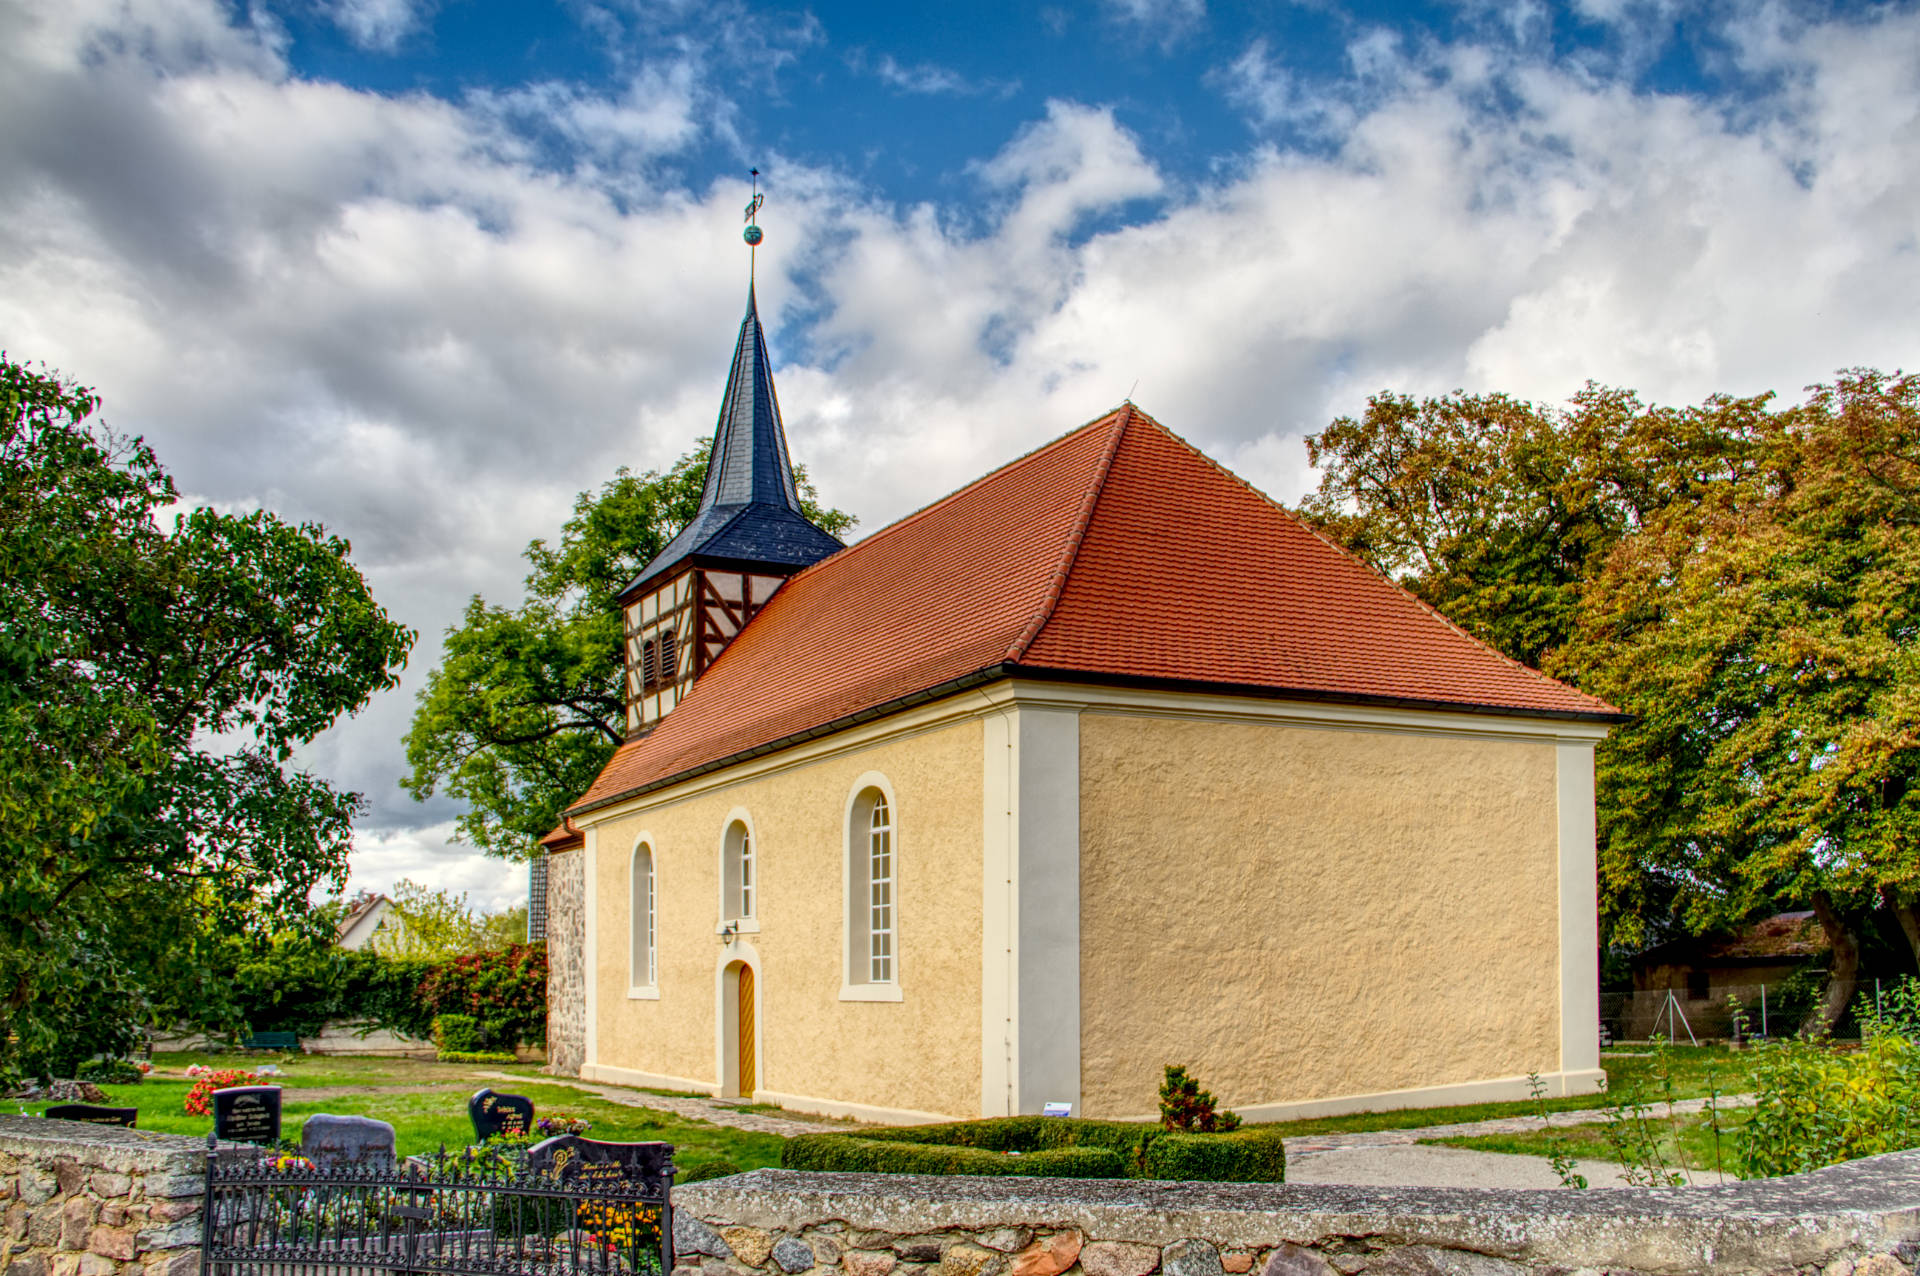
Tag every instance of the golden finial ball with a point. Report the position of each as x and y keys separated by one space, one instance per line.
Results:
x=753 y=236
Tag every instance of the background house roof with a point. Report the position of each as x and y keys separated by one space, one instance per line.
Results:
x=1116 y=553
x=1782 y=937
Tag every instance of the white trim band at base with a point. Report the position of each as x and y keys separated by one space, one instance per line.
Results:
x=628 y=1076
x=858 y=1111
x=1558 y=1085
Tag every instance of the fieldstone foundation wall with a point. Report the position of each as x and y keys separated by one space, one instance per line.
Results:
x=89 y=1200
x=566 y=963
x=1860 y=1219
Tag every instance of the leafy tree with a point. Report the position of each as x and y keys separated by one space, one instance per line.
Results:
x=1764 y=637
x=527 y=704
x=504 y=928
x=1497 y=512
x=153 y=687
x=431 y=924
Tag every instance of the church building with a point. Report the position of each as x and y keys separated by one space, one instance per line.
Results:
x=1103 y=762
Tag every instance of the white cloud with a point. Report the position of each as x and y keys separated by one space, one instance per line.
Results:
x=391 y=314
x=379 y=25
x=420 y=855
x=930 y=79
x=1165 y=19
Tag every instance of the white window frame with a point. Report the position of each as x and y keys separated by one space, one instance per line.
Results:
x=856 y=930
x=643 y=919
x=732 y=916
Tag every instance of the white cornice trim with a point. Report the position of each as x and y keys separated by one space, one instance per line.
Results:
x=1317 y=713
x=997 y=696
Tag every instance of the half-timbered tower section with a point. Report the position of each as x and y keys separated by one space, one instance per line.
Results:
x=749 y=536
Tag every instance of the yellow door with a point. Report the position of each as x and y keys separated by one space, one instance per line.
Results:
x=746 y=1032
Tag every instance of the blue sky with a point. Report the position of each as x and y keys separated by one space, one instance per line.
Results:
x=422 y=270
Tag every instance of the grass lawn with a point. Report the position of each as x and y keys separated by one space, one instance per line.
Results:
x=1694 y=1069
x=426 y=1103
x=1687 y=1142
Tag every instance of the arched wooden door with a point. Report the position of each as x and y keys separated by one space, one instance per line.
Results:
x=746 y=1039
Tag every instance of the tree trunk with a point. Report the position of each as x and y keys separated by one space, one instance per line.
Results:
x=1843 y=976
x=1907 y=915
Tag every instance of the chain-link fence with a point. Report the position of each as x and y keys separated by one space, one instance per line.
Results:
x=1695 y=1014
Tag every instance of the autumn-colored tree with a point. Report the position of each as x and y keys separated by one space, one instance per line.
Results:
x=1497 y=511
x=527 y=703
x=1764 y=636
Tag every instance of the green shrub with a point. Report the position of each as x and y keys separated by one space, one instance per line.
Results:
x=1045 y=1146
x=1026 y=1134
x=717 y=1169
x=110 y=1072
x=1241 y=1156
x=856 y=1155
x=457 y=1034
x=1817 y=1106
x=1186 y=1108
x=475 y=1056
x=505 y=991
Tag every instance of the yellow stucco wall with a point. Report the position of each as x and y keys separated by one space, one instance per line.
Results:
x=920 y=1054
x=1299 y=913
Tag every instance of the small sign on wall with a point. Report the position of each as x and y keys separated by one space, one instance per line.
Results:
x=1056 y=1109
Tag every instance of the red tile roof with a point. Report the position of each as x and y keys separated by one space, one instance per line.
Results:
x=1118 y=552
x=565 y=837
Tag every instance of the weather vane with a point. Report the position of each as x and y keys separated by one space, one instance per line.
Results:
x=752 y=233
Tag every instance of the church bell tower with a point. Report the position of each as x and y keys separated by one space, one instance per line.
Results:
x=749 y=535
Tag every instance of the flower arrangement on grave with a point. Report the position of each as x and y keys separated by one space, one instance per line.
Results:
x=199 y=1101
x=617 y=1227
x=555 y=1123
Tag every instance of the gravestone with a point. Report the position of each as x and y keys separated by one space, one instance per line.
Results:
x=568 y=1155
x=499 y=1114
x=247 y=1114
x=330 y=1141
x=93 y=1115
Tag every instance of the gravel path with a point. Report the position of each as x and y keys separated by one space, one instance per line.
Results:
x=1399 y=1158
x=716 y=1111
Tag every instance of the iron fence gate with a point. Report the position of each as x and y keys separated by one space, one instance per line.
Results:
x=573 y=1210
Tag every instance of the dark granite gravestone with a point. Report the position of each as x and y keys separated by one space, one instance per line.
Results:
x=567 y=1155
x=93 y=1115
x=624 y=1187
x=499 y=1114
x=247 y=1114
x=329 y=1140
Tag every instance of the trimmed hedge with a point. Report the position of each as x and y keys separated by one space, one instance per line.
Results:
x=1242 y=1156
x=1051 y=1147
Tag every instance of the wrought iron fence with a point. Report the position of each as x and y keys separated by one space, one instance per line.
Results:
x=566 y=1211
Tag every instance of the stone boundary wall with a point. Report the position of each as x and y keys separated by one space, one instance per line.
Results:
x=566 y=963
x=91 y=1200
x=1858 y=1219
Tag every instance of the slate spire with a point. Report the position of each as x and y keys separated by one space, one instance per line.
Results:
x=748 y=464
x=749 y=512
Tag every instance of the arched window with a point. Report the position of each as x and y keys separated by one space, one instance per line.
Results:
x=872 y=894
x=879 y=893
x=740 y=887
x=643 y=964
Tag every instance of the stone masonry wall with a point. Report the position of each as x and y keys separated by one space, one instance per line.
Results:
x=89 y=1200
x=566 y=963
x=1860 y=1219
